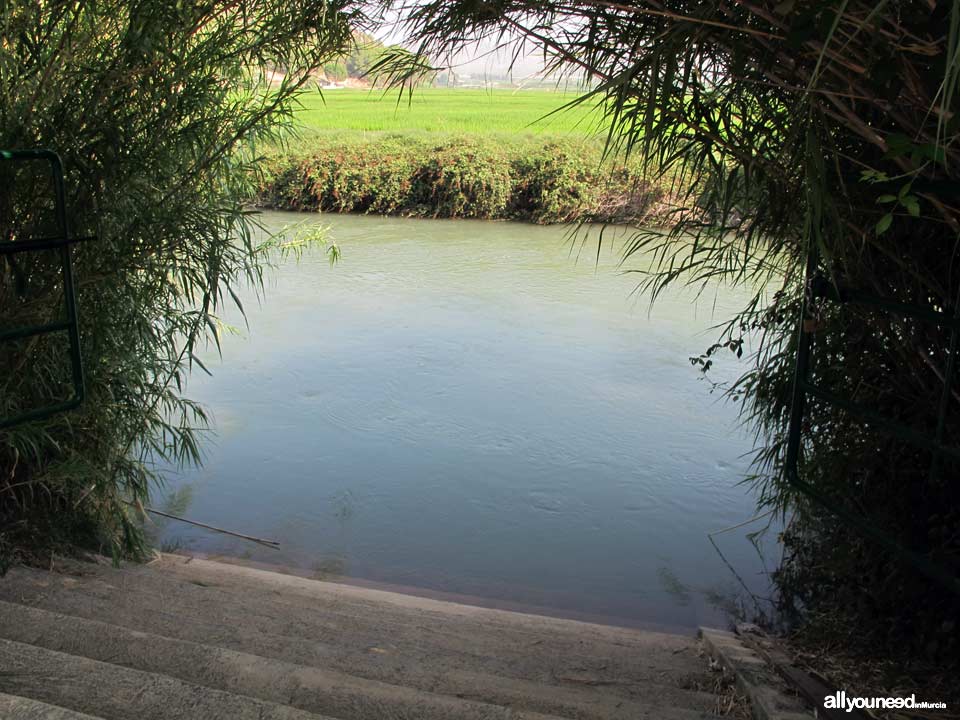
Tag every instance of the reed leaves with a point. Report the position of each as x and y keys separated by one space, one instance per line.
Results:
x=786 y=127
x=158 y=110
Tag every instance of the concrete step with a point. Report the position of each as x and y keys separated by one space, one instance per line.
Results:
x=515 y=644
x=307 y=688
x=113 y=692
x=542 y=637
x=352 y=605
x=248 y=618
x=13 y=707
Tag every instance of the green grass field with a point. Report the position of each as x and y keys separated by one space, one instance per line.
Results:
x=434 y=110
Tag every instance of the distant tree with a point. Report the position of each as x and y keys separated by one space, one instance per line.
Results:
x=364 y=51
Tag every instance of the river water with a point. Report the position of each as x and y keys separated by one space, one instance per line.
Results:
x=469 y=408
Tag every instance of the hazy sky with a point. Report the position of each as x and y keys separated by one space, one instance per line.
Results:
x=485 y=60
x=477 y=61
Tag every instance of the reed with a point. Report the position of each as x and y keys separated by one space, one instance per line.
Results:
x=791 y=128
x=157 y=110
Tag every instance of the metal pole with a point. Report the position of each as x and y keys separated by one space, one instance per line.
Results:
x=68 y=288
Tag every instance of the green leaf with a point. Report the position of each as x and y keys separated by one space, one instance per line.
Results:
x=886 y=199
x=874 y=176
x=912 y=205
x=884 y=223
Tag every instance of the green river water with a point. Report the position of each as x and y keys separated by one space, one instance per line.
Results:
x=467 y=409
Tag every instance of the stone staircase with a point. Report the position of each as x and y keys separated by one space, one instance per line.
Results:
x=189 y=638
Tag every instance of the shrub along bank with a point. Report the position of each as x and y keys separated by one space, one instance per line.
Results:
x=534 y=179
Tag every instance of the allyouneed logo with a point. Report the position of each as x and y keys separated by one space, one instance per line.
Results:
x=841 y=701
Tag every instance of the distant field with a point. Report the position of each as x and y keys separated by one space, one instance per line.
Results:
x=474 y=112
x=497 y=155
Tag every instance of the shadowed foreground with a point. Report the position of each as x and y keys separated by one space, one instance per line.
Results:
x=191 y=638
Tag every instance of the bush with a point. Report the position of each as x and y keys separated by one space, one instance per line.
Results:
x=471 y=177
x=156 y=109
x=806 y=133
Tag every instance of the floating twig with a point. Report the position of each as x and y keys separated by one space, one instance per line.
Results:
x=262 y=541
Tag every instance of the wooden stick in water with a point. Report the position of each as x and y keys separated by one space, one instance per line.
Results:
x=269 y=543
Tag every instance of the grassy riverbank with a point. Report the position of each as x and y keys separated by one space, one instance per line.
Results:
x=547 y=181
x=455 y=153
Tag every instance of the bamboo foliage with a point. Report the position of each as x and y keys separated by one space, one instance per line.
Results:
x=788 y=125
x=158 y=110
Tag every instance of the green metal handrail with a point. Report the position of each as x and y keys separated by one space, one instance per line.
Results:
x=70 y=325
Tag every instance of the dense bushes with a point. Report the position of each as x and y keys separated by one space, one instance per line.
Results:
x=538 y=180
x=820 y=134
x=156 y=109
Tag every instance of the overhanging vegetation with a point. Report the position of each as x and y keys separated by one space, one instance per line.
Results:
x=793 y=127
x=157 y=110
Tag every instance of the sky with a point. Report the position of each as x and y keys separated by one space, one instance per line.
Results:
x=488 y=61
x=482 y=59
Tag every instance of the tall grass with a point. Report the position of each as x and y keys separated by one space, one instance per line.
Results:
x=793 y=127
x=157 y=114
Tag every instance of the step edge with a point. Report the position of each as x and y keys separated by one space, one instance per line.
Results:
x=214 y=692
x=365 y=684
x=58 y=712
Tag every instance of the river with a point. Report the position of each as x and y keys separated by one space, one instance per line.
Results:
x=469 y=409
